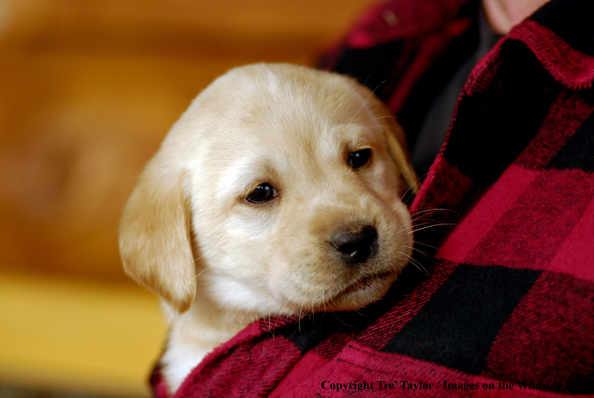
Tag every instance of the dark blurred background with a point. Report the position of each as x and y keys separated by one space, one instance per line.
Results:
x=88 y=89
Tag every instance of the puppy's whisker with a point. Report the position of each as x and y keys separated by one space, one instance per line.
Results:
x=426 y=245
x=276 y=322
x=372 y=121
x=429 y=223
x=394 y=217
x=378 y=86
x=422 y=213
x=245 y=314
x=417 y=264
x=365 y=102
x=201 y=272
x=420 y=179
x=358 y=311
x=414 y=249
x=341 y=321
x=409 y=193
x=406 y=194
x=439 y=225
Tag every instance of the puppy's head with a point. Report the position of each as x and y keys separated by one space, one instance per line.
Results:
x=278 y=191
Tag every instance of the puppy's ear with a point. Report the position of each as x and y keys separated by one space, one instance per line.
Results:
x=155 y=236
x=398 y=149
x=395 y=138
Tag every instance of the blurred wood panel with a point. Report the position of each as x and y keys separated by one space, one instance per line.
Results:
x=182 y=26
x=89 y=88
x=79 y=336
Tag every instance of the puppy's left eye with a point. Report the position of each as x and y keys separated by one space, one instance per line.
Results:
x=359 y=158
x=262 y=193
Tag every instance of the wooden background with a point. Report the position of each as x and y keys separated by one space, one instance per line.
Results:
x=88 y=89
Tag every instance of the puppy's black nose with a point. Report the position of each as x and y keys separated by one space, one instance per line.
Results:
x=355 y=244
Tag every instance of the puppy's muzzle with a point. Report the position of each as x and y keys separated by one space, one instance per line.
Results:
x=355 y=244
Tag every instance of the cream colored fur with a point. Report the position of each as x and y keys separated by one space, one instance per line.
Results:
x=219 y=261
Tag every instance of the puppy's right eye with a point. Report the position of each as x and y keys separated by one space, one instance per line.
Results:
x=359 y=158
x=262 y=193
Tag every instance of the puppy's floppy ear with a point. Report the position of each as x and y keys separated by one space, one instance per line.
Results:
x=155 y=235
x=395 y=138
x=398 y=149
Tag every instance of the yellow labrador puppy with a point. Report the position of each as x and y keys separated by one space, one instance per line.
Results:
x=278 y=192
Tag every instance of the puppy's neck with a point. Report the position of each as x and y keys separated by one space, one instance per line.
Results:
x=196 y=333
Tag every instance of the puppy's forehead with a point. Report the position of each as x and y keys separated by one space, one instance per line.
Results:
x=273 y=104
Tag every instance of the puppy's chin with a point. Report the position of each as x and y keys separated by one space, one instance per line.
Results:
x=359 y=294
x=352 y=296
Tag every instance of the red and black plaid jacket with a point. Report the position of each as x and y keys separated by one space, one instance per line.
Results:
x=507 y=307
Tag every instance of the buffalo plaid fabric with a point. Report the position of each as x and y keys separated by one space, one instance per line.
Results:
x=507 y=305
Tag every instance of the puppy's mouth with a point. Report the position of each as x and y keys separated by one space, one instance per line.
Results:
x=364 y=283
x=360 y=293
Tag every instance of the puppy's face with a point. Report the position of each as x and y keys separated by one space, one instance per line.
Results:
x=286 y=186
